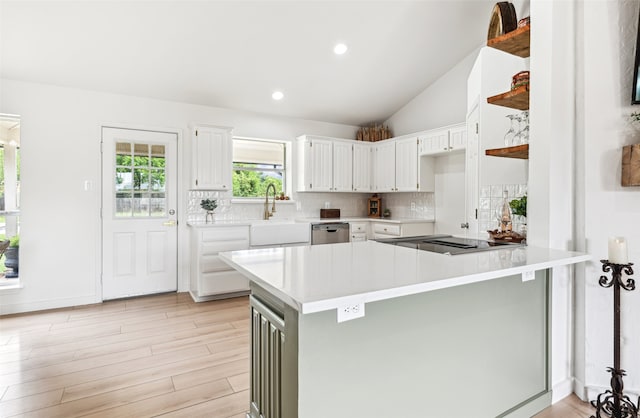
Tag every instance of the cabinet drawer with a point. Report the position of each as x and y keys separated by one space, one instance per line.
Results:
x=358 y=237
x=388 y=229
x=358 y=227
x=212 y=247
x=222 y=282
x=226 y=234
x=211 y=263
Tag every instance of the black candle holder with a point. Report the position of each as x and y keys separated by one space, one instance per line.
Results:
x=613 y=403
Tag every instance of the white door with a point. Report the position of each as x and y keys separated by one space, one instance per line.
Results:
x=361 y=167
x=342 y=167
x=407 y=165
x=385 y=167
x=471 y=174
x=139 y=227
x=321 y=165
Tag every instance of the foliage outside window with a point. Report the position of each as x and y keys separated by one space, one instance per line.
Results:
x=256 y=164
x=140 y=180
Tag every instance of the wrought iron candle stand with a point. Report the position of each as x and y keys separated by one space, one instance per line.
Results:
x=613 y=402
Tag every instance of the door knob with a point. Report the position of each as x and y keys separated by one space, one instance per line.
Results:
x=464 y=225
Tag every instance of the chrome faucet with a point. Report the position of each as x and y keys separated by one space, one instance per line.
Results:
x=268 y=214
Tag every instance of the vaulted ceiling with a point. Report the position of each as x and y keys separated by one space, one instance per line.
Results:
x=234 y=54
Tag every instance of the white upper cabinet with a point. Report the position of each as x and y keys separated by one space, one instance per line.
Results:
x=407 y=165
x=384 y=167
x=342 y=166
x=441 y=141
x=212 y=158
x=362 y=162
x=324 y=164
x=458 y=137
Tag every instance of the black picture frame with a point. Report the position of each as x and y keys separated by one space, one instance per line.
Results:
x=635 y=93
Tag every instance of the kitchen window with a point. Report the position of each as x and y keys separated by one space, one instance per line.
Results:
x=256 y=164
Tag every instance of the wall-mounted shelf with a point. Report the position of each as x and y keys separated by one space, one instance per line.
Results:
x=517 y=98
x=518 y=151
x=515 y=42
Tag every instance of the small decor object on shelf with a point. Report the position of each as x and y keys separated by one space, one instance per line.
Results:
x=613 y=402
x=503 y=19
x=525 y=21
x=373 y=133
x=386 y=213
x=520 y=79
x=630 y=165
x=374 y=206
x=209 y=205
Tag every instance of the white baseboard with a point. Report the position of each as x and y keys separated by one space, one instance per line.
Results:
x=561 y=390
x=13 y=308
x=580 y=390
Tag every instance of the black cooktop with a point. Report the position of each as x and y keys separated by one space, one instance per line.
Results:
x=447 y=244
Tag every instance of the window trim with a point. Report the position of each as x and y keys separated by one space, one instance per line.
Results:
x=287 y=168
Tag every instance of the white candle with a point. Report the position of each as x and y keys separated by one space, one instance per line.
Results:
x=618 y=250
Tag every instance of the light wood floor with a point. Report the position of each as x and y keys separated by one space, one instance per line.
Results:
x=152 y=356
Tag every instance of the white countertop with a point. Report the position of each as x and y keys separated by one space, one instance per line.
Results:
x=249 y=222
x=365 y=219
x=324 y=277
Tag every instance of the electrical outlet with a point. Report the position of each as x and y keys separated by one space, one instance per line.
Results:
x=349 y=312
x=528 y=275
x=413 y=206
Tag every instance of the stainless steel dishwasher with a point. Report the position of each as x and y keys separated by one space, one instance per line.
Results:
x=329 y=233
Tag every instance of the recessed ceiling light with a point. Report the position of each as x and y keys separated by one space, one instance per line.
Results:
x=277 y=95
x=340 y=49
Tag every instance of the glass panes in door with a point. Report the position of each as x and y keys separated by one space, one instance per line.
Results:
x=140 y=175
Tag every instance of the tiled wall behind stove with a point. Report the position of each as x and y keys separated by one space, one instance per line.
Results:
x=410 y=205
x=308 y=205
x=491 y=199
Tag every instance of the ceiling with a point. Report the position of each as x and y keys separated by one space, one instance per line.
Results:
x=234 y=54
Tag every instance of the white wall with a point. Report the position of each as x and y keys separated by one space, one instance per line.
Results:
x=442 y=103
x=606 y=36
x=60 y=145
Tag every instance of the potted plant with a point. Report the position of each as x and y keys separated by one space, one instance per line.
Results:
x=209 y=205
x=519 y=207
x=12 y=257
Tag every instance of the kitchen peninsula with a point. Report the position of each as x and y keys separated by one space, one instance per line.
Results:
x=441 y=336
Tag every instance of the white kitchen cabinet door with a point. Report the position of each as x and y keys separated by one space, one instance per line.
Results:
x=362 y=154
x=458 y=137
x=435 y=142
x=321 y=157
x=385 y=167
x=212 y=158
x=406 y=170
x=471 y=181
x=342 y=166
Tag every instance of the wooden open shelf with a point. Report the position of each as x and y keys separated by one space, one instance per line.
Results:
x=518 y=151
x=515 y=42
x=517 y=98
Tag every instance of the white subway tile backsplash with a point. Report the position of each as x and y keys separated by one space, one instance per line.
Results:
x=308 y=205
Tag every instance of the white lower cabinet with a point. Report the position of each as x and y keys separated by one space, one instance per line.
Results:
x=381 y=230
x=211 y=278
x=358 y=231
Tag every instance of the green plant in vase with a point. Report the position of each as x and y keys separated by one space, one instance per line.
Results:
x=209 y=205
